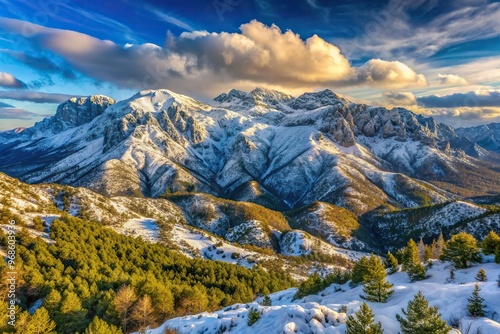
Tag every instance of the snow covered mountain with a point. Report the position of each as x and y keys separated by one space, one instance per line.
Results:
x=263 y=146
x=486 y=136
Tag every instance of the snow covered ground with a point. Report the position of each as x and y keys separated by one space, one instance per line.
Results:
x=320 y=313
x=297 y=242
x=212 y=248
x=144 y=227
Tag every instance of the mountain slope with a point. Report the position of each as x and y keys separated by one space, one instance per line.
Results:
x=262 y=146
x=397 y=227
x=198 y=225
x=486 y=136
x=321 y=313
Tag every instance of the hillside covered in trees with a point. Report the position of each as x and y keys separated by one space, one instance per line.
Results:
x=90 y=273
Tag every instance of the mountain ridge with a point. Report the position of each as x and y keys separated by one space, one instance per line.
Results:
x=316 y=147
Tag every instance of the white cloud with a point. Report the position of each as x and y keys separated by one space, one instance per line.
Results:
x=259 y=55
x=399 y=98
x=393 y=32
x=7 y=80
x=170 y=19
x=36 y=97
x=390 y=74
x=465 y=116
x=451 y=79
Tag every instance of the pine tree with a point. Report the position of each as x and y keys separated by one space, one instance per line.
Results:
x=40 y=322
x=98 y=326
x=497 y=255
x=490 y=243
x=52 y=301
x=163 y=299
x=421 y=318
x=399 y=255
x=475 y=305
x=481 y=275
x=71 y=317
x=411 y=262
x=498 y=280
x=194 y=299
x=376 y=288
x=462 y=249
x=363 y=323
x=427 y=253
x=253 y=315
x=70 y=303
x=38 y=222
x=359 y=271
x=22 y=320
x=391 y=263
x=266 y=301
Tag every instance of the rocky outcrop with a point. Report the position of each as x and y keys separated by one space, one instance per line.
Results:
x=72 y=113
x=310 y=101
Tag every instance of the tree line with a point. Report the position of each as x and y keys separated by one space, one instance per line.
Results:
x=92 y=278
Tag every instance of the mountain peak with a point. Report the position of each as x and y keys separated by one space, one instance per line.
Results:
x=310 y=101
x=258 y=97
x=270 y=93
x=162 y=99
x=72 y=113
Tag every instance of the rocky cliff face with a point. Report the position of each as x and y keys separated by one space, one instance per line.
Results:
x=75 y=112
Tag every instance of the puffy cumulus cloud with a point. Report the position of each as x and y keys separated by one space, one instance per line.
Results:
x=451 y=79
x=265 y=54
x=7 y=80
x=399 y=98
x=478 y=98
x=35 y=97
x=389 y=74
x=200 y=61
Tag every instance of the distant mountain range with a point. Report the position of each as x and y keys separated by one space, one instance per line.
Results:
x=262 y=146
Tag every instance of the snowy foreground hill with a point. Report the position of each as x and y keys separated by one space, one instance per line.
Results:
x=320 y=313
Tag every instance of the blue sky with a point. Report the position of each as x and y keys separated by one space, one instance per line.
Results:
x=439 y=58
